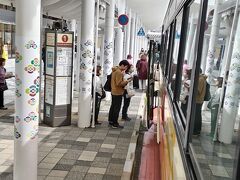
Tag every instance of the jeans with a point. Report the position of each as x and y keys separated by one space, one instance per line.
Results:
x=1 y=98
x=198 y=119
x=115 y=109
x=97 y=107
x=214 y=113
x=126 y=103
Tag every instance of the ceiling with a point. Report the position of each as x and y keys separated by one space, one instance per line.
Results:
x=151 y=12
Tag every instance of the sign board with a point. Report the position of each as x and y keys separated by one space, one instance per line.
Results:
x=58 y=78
x=141 y=32
x=123 y=19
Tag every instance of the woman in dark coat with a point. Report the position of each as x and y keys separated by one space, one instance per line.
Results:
x=142 y=70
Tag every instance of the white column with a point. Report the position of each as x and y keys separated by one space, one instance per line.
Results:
x=132 y=41
x=204 y=53
x=28 y=15
x=190 y=45
x=213 y=41
x=108 y=42
x=86 y=63
x=191 y=57
x=102 y=52
x=118 y=56
x=230 y=108
x=225 y=57
x=128 y=34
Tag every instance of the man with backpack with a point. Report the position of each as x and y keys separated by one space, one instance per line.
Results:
x=117 y=89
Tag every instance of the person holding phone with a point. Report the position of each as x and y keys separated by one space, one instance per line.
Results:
x=128 y=92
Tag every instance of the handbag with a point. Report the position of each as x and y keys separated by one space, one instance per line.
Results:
x=3 y=86
x=103 y=94
x=209 y=105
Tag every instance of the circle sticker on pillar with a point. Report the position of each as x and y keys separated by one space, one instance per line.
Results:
x=30 y=69
x=31 y=44
x=123 y=19
x=32 y=90
x=19 y=57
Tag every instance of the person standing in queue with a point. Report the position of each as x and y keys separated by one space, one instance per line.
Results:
x=128 y=93
x=201 y=91
x=117 y=89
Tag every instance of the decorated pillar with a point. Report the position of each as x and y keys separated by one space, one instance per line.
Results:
x=213 y=41
x=28 y=15
x=231 y=102
x=109 y=39
x=86 y=63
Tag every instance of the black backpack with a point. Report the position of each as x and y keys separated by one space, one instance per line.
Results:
x=207 y=96
x=107 y=85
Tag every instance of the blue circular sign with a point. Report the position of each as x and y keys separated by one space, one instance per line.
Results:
x=123 y=19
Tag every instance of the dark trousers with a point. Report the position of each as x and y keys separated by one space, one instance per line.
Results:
x=1 y=98
x=115 y=109
x=126 y=103
x=97 y=106
x=214 y=113
x=184 y=107
x=198 y=119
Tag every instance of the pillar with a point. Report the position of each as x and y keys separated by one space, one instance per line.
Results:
x=193 y=42
x=224 y=58
x=86 y=63
x=213 y=41
x=132 y=41
x=109 y=39
x=204 y=53
x=230 y=108
x=28 y=15
x=128 y=34
x=118 y=56
x=190 y=45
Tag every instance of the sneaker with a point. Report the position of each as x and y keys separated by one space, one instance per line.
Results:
x=127 y=119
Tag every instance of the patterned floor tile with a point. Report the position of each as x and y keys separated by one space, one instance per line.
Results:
x=87 y=156
x=218 y=171
x=96 y=170
x=58 y=173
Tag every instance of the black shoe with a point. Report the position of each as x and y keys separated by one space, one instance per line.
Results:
x=115 y=126
x=126 y=119
x=3 y=108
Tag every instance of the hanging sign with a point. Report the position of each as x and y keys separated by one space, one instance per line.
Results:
x=123 y=19
x=141 y=32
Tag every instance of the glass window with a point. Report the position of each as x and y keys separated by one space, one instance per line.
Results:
x=173 y=69
x=185 y=83
x=217 y=113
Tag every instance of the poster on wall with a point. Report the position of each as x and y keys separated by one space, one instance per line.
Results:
x=49 y=89
x=64 y=61
x=64 y=40
x=50 y=51
x=63 y=90
x=50 y=39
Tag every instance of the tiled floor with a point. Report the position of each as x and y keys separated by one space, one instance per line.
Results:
x=70 y=152
x=216 y=159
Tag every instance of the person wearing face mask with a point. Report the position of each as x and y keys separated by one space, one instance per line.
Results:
x=128 y=93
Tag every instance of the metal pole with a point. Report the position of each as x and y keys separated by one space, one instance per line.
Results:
x=95 y=65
